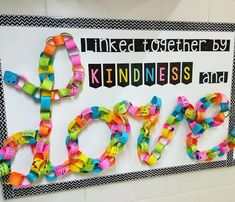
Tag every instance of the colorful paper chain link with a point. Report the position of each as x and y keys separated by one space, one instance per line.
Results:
x=117 y=121
x=198 y=124
x=120 y=128
x=45 y=94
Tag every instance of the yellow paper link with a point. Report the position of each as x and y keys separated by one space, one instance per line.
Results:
x=170 y=135
x=29 y=133
x=143 y=111
x=83 y=158
x=37 y=165
x=108 y=117
x=152 y=160
x=165 y=132
x=42 y=69
x=190 y=113
x=113 y=151
x=19 y=138
x=50 y=70
x=147 y=124
x=72 y=124
x=45 y=93
x=74 y=168
x=146 y=132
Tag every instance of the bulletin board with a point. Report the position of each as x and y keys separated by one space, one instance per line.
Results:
x=123 y=60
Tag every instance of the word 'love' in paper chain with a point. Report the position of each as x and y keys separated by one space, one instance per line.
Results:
x=117 y=120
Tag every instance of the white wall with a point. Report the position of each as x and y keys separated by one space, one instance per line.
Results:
x=205 y=186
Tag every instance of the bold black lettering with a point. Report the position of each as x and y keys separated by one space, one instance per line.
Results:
x=109 y=78
x=136 y=74
x=162 y=73
x=123 y=74
x=95 y=77
x=187 y=72
x=175 y=73
x=83 y=45
x=149 y=74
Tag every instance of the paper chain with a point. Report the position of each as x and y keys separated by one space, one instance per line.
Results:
x=117 y=121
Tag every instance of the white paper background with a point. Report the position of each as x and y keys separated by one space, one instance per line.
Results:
x=19 y=52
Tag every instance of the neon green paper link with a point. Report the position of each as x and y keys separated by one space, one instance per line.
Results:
x=64 y=92
x=46 y=85
x=45 y=116
x=159 y=147
x=44 y=61
x=29 y=88
x=4 y=169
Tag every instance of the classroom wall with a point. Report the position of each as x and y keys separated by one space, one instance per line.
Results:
x=204 y=186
